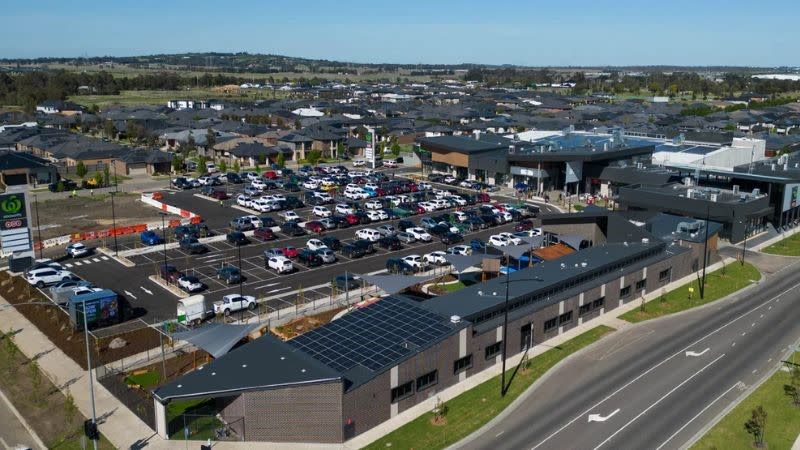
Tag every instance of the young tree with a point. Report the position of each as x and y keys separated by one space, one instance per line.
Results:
x=280 y=160
x=70 y=409
x=223 y=166
x=201 y=164
x=313 y=157
x=396 y=149
x=340 y=150
x=236 y=166
x=109 y=129
x=297 y=124
x=279 y=123
x=793 y=388
x=177 y=163
x=211 y=138
x=80 y=170
x=757 y=425
x=107 y=176
x=98 y=178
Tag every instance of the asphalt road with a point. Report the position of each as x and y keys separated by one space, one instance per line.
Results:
x=639 y=388
x=156 y=303
x=12 y=432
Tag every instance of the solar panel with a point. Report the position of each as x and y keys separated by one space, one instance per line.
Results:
x=375 y=336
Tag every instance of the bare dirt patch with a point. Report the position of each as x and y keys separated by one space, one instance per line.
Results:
x=304 y=324
x=65 y=216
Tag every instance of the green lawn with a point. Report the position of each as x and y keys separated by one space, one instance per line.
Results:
x=785 y=247
x=718 y=285
x=145 y=380
x=783 y=419
x=199 y=418
x=474 y=408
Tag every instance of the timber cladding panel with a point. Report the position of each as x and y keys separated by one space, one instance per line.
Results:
x=310 y=413
x=452 y=158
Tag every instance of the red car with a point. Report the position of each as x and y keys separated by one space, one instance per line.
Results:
x=359 y=180
x=315 y=226
x=499 y=206
x=264 y=233
x=413 y=187
x=380 y=192
x=523 y=225
x=352 y=219
x=289 y=252
x=219 y=195
x=270 y=175
x=483 y=197
x=419 y=209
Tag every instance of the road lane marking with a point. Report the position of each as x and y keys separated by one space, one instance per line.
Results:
x=68 y=265
x=146 y=290
x=266 y=286
x=104 y=258
x=640 y=376
x=761 y=316
x=130 y=295
x=96 y=259
x=697 y=415
x=691 y=353
x=654 y=404
x=498 y=434
x=753 y=324
x=78 y=263
x=599 y=418
x=279 y=289
x=754 y=371
x=733 y=345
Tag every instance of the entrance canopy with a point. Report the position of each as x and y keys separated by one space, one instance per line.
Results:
x=216 y=338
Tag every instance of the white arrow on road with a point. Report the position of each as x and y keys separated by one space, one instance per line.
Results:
x=146 y=290
x=130 y=295
x=691 y=353
x=599 y=418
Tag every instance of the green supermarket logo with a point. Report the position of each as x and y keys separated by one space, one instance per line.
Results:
x=11 y=205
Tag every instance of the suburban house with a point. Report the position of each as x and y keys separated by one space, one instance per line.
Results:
x=58 y=107
x=143 y=161
x=249 y=152
x=18 y=168
x=298 y=143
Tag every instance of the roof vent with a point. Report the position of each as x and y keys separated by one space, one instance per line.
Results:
x=563 y=265
x=645 y=241
x=180 y=386
x=455 y=319
x=583 y=264
x=625 y=243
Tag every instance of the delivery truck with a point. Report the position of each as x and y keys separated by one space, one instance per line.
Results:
x=102 y=309
x=194 y=309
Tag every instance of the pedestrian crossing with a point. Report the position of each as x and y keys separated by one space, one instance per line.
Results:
x=86 y=261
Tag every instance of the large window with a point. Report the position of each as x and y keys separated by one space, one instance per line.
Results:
x=585 y=309
x=599 y=303
x=426 y=381
x=625 y=292
x=462 y=364
x=402 y=391
x=641 y=284
x=493 y=350
x=550 y=324
x=565 y=318
x=665 y=274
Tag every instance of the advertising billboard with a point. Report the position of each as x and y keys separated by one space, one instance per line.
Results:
x=791 y=192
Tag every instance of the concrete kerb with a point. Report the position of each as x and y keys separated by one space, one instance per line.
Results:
x=746 y=393
x=168 y=287
x=37 y=440
x=120 y=259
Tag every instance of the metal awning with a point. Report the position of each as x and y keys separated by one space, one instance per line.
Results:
x=392 y=284
x=463 y=262
x=216 y=338
x=514 y=251
x=572 y=240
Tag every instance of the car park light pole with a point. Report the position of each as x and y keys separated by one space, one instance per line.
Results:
x=38 y=225
x=113 y=223
x=164 y=238
x=241 y=283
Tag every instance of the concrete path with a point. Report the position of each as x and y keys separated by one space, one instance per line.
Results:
x=15 y=431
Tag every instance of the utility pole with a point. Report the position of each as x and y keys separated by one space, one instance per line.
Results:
x=38 y=225
x=705 y=254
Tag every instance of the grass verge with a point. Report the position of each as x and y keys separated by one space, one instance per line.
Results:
x=474 y=408
x=197 y=415
x=783 y=419
x=719 y=283
x=789 y=246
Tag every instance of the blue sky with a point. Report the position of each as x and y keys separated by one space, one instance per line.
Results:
x=577 y=32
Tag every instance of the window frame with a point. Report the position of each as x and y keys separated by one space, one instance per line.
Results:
x=499 y=347
x=463 y=368
x=402 y=396
x=625 y=292
x=434 y=373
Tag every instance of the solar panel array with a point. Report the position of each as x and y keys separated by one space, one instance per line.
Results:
x=375 y=336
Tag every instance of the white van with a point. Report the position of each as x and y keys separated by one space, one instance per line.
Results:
x=194 y=309
x=211 y=167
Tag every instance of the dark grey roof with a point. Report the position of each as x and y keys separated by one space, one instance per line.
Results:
x=462 y=144
x=634 y=175
x=670 y=227
x=264 y=363
x=18 y=160
x=216 y=338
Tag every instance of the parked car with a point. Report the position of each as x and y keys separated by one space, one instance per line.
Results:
x=331 y=242
x=477 y=245
x=352 y=252
x=230 y=274
x=414 y=261
x=170 y=273
x=386 y=230
x=289 y=251
x=192 y=245
x=366 y=245
x=420 y=234
x=234 y=302
x=47 y=275
x=404 y=225
x=460 y=250
x=265 y=234
x=328 y=223
x=451 y=238
x=190 y=283
x=280 y=264
x=347 y=282
x=398 y=266
x=309 y=257
x=437 y=258
x=150 y=237
x=498 y=241
x=233 y=177
x=405 y=237
x=390 y=243
x=242 y=224
x=315 y=244
x=77 y=250
x=292 y=229
x=236 y=238
x=315 y=227
x=327 y=255
x=289 y=216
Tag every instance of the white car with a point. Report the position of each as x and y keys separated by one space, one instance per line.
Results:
x=514 y=240
x=252 y=176
x=324 y=196
x=244 y=200
x=275 y=197
x=315 y=245
x=342 y=208
x=419 y=234
x=498 y=241
x=414 y=261
x=280 y=264
x=289 y=215
x=327 y=255
x=190 y=283
x=436 y=257
x=457 y=200
x=374 y=216
x=359 y=163
x=373 y=204
x=204 y=180
x=48 y=275
x=372 y=186
x=506 y=216
x=460 y=216
x=321 y=211
x=77 y=250
x=427 y=206
x=254 y=220
x=460 y=250
x=356 y=194
x=369 y=234
x=390 y=164
x=387 y=230
x=310 y=184
x=259 y=184
x=234 y=302
x=423 y=186
x=449 y=179
x=261 y=204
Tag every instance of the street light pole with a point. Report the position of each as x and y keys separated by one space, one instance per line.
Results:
x=241 y=282
x=705 y=254
x=744 y=243
x=164 y=238
x=113 y=224
x=89 y=371
x=116 y=183
x=38 y=225
x=505 y=329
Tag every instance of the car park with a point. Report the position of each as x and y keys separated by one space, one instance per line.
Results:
x=76 y=250
x=234 y=302
x=47 y=275
x=190 y=283
x=351 y=251
x=436 y=258
x=229 y=274
x=236 y=238
x=170 y=273
x=321 y=211
x=331 y=242
x=264 y=233
x=327 y=255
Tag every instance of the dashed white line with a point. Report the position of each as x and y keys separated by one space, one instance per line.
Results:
x=96 y=259
x=78 y=263
x=744 y=333
x=68 y=265
x=733 y=345
x=753 y=324
x=104 y=258
x=498 y=434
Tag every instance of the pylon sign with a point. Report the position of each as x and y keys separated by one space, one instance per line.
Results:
x=15 y=235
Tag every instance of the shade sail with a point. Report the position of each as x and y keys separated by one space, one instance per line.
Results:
x=572 y=240
x=216 y=338
x=533 y=241
x=392 y=284
x=515 y=251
